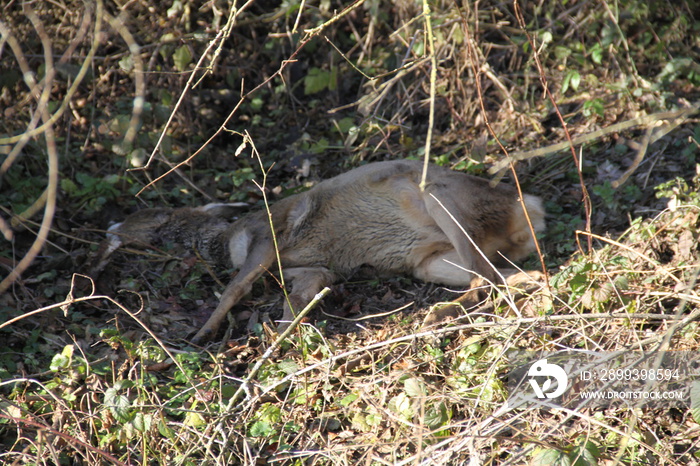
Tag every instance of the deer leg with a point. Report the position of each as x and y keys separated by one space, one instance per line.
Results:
x=446 y=268
x=258 y=259
x=306 y=282
x=470 y=256
x=478 y=292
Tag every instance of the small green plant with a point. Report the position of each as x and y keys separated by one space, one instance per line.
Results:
x=318 y=80
x=679 y=191
x=616 y=199
x=583 y=452
x=92 y=192
x=594 y=107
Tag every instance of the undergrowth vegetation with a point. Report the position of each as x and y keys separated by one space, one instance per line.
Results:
x=111 y=107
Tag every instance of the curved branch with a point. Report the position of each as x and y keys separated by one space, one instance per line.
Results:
x=52 y=153
x=71 y=90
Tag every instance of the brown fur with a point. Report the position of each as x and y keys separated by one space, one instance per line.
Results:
x=374 y=215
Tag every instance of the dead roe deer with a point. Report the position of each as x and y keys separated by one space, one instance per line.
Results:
x=374 y=215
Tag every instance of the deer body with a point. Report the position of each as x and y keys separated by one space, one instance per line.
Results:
x=373 y=215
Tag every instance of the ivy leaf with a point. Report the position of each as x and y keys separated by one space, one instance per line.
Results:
x=118 y=404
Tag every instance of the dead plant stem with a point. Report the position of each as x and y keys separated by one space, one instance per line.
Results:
x=476 y=69
x=433 y=79
x=588 y=207
x=678 y=118
x=496 y=326
x=245 y=384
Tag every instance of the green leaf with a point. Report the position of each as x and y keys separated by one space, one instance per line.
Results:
x=68 y=351
x=288 y=366
x=436 y=415
x=123 y=384
x=345 y=124
x=63 y=360
x=138 y=157
x=261 y=429
x=473 y=348
x=269 y=412
x=193 y=419
x=165 y=431
x=550 y=457
x=546 y=37
x=58 y=362
x=118 y=404
x=126 y=63
x=458 y=35
x=695 y=400
x=348 y=400
x=595 y=106
x=561 y=53
x=228 y=390
x=401 y=406
x=565 y=83
x=182 y=58
x=418 y=48
x=316 y=80
x=373 y=419
x=142 y=422
x=333 y=79
x=572 y=80
x=597 y=54
x=168 y=37
x=256 y=103
x=586 y=453
x=575 y=80
x=360 y=423
x=120 y=125
x=320 y=147
x=69 y=187
x=111 y=179
x=50 y=276
x=414 y=387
